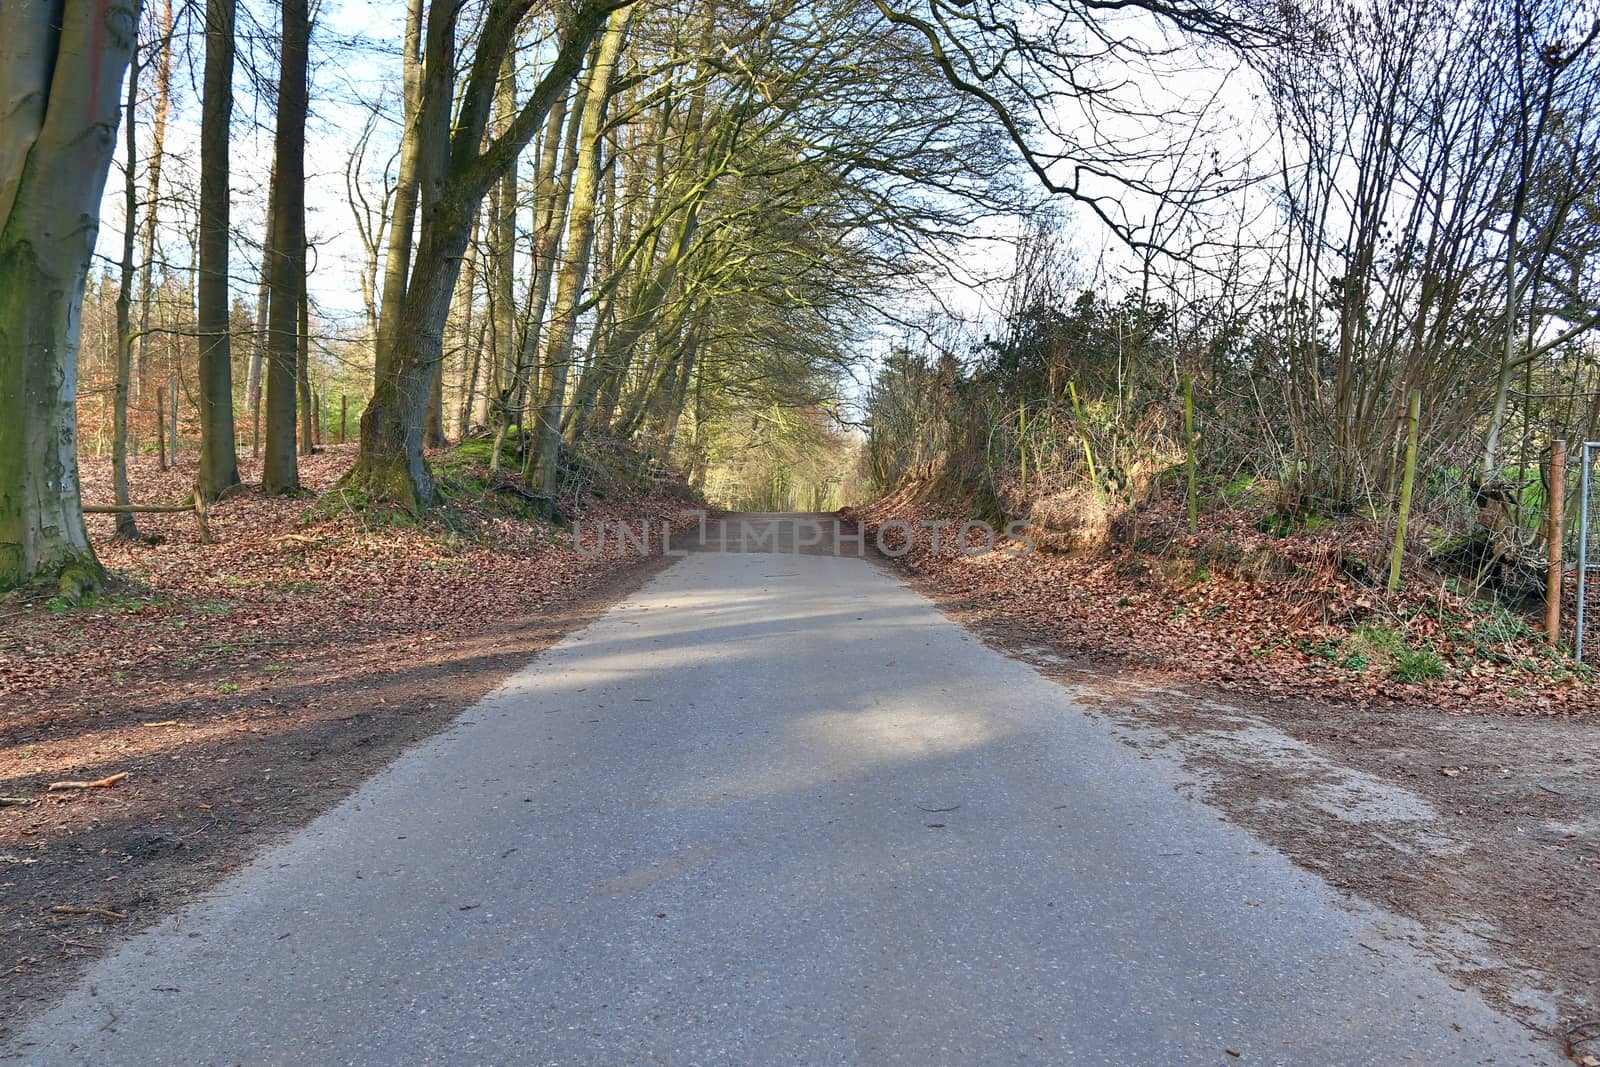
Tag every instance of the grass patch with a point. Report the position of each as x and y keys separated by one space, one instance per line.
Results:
x=1417 y=665
x=1376 y=644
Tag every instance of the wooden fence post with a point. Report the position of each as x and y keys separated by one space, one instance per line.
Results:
x=1557 y=504
x=1407 y=482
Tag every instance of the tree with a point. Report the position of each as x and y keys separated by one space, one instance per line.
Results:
x=161 y=110
x=127 y=528
x=580 y=238
x=456 y=170
x=61 y=66
x=219 y=465
x=280 y=469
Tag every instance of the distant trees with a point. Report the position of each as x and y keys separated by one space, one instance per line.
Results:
x=720 y=198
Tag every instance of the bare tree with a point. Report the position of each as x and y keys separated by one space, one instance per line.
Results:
x=456 y=170
x=280 y=471
x=219 y=464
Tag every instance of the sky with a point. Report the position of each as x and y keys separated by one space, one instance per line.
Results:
x=355 y=62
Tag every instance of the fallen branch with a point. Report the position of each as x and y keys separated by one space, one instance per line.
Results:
x=166 y=722
x=99 y=783
x=512 y=489
x=75 y=909
x=198 y=507
x=11 y=802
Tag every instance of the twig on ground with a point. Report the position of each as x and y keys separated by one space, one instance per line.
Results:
x=77 y=909
x=99 y=783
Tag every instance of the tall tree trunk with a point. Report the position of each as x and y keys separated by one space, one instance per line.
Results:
x=258 y=347
x=302 y=371
x=555 y=194
x=127 y=528
x=219 y=463
x=61 y=66
x=280 y=470
x=580 y=240
x=470 y=353
x=507 y=369
x=505 y=242
x=152 y=203
x=455 y=175
x=402 y=225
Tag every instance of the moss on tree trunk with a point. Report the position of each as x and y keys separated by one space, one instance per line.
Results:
x=42 y=535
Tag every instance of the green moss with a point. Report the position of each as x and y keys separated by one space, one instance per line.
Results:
x=1240 y=485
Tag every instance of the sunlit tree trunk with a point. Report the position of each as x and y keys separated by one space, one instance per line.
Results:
x=126 y=527
x=280 y=469
x=258 y=346
x=302 y=371
x=219 y=463
x=580 y=240
x=507 y=369
x=61 y=66
x=162 y=107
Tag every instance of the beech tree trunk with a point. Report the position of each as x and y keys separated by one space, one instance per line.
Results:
x=554 y=192
x=258 y=348
x=280 y=468
x=302 y=372
x=219 y=461
x=61 y=66
x=454 y=176
x=402 y=224
x=126 y=527
x=580 y=240
x=152 y=201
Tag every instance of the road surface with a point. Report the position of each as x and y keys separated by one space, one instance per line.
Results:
x=773 y=809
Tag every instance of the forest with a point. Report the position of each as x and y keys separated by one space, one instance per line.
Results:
x=1268 y=329
x=725 y=239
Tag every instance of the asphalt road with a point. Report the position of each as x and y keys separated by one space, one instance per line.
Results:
x=773 y=809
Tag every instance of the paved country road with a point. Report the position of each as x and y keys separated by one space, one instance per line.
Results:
x=773 y=809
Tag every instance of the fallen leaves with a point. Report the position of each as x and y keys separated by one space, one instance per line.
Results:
x=1243 y=610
